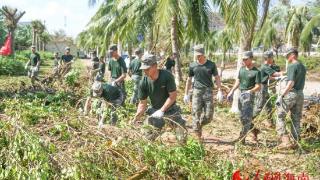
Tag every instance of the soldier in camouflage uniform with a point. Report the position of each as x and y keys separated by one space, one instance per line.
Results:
x=118 y=69
x=262 y=97
x=249 y=82
x=66 y=62
x=272 y=86
x=291 y=99
x=136 y=74
x=34 y=63
x=100 y=71
x=110 y=94
x=95 y=65
x=56 y=64
x=202 y=101
x=160 y=87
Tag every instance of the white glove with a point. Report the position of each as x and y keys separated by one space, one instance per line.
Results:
x=113 y=83
x=36 y=68
x=157 y=114
x=26 y=66
x=186 y=99
x=220 y=96
x=277 y=78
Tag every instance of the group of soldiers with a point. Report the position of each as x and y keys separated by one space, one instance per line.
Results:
x=157 y=87
x=62 y=65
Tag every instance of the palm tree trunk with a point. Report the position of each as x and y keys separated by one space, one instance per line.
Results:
x=34 y=37
x=150 y=39
x=12 y=40
x=222 y=65
x=37 y=42
x=130 y=51
x=119 y=47
x=175 y=49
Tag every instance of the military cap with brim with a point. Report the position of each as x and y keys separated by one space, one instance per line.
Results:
x=113 y=47
x=67 y=48
x=198 y=49
x=247 y=55
x=33 y=46
x=268 y=54
x=291 y=50
x=147 y=61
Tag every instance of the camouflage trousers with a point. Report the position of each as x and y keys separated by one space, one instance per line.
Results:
x=33 y=72
x=202 y=108
x=246 y=103
x=262 y=102
x=113 y=105
x=292 y=102
x=173 y=115
x=122 y=89
x=136 y=80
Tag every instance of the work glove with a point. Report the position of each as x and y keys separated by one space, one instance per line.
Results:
x=36 y=68
x=220 y=96
x=279 y=101
x=186 y=99
x=113 y=83
x=158 y=114
x=277 y=78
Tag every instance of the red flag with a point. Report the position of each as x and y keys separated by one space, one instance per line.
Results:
x=236 y=175
x=6 y=48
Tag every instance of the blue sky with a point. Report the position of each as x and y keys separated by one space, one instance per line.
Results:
x=53 y=12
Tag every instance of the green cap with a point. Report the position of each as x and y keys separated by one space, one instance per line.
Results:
x=247 y=55
x=198 y=49
x=147 y=61
x=291 y=50
x=113 y=47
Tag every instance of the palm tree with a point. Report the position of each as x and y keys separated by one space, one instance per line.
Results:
x=225 y=41
x=272 y=33
x=45 y=38
x=311 y=28
x=12 y=17
x=297 y=20
x=37 y=29
x=34 y=25
x=40 y=30
x=125 y=19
